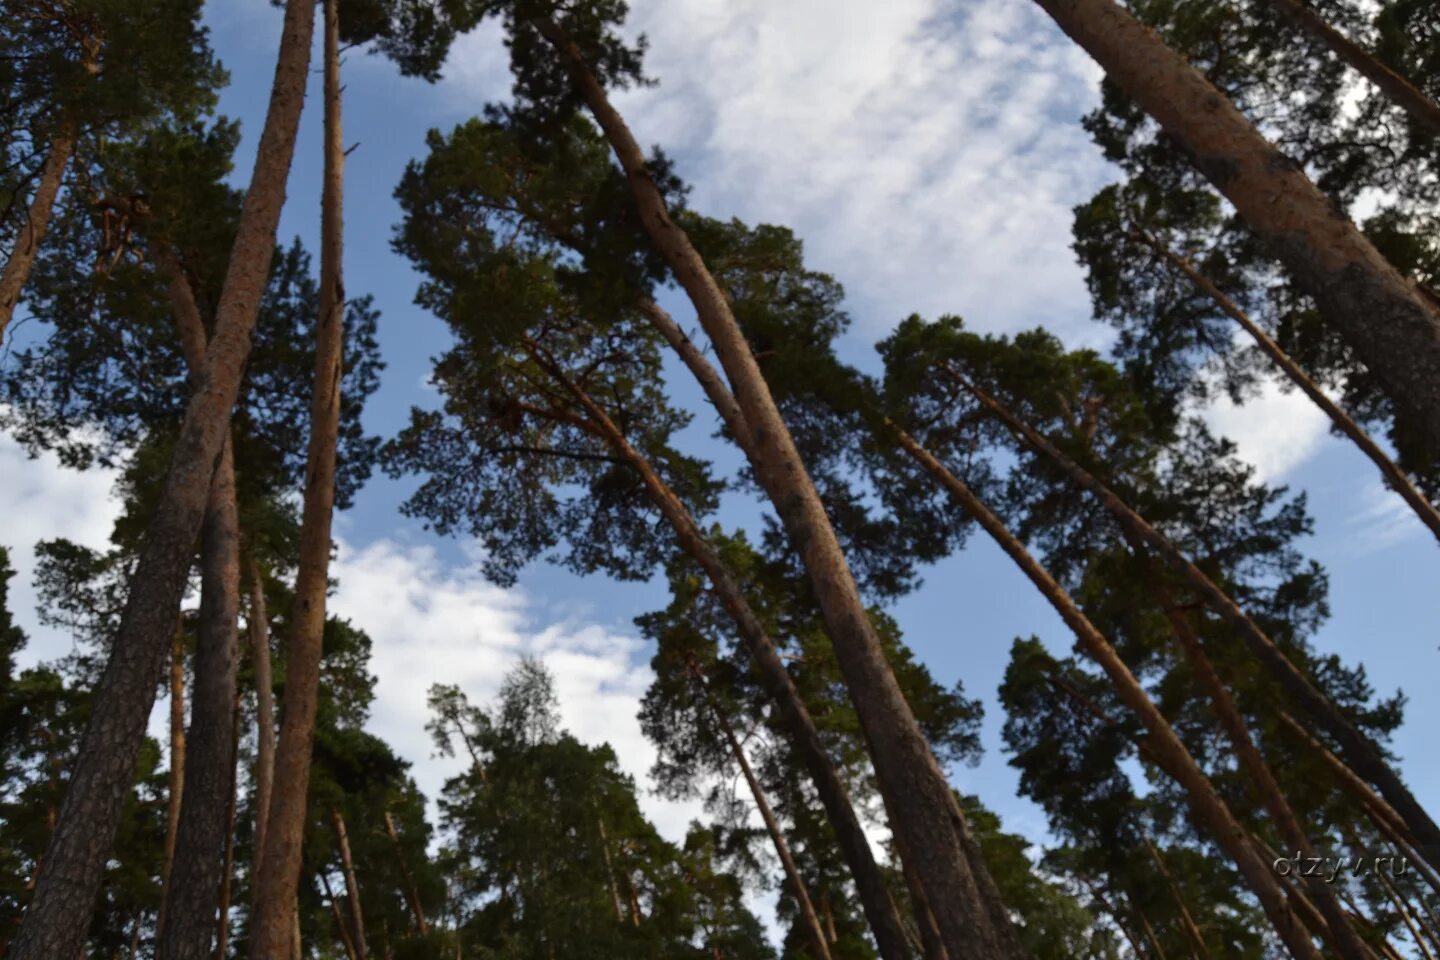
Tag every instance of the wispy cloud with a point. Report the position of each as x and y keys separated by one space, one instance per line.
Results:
x=1380 y=520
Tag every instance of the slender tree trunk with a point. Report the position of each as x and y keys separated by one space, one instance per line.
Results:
x=1362 y=754
x=1192 y=929
x=1342 y=936
x=227 y=876
x=1116 y=918
x=279 y=872
x=259 y=629
x=875 y=899
x=777 y=836
x=1401 y=91
x=1169 y=752
x=931 y=944
x=37 y=221
x=352 y=886
x=917 y=794
x=187 y=925
x=1395 y=478
x=1383 y=318
x=346 y=940
x=412 y=893
x=58 y=917
x=177 y=747
x=1157 y=951
x=610 y=870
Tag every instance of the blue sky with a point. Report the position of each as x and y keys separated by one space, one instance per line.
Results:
x=930 y=163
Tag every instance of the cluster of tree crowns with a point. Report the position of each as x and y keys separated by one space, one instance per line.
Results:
x=1192 y=738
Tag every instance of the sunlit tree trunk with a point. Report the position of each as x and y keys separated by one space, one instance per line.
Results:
x=1165 y=746
x=1383 y=318
x=279 y=870
x=58 y=917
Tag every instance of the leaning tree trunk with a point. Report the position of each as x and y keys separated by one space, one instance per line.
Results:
x=1339 y=933
x=352 y=885
x=176 y=792
x=1360 y=752
x=1165 y=746
x=1395 y=478
x=1401 y=91
x=279 y=872
x=192 y=887
x=1383 y=318
x=37 y=221
x=412 y=893
x=58 y=916
x=772 y=825
x=919 y=798
x=880 y=911
x=258 y=624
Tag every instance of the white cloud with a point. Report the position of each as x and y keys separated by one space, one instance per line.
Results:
x=436 y=624
x=45 y=501
x=1381 y=519
x=1275 y=431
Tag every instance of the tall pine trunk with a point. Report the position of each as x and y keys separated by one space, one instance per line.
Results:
x=227 y=877
x=58 y=917
x=1165 y=746
x=412 y=893
x=37 y=221
x=193 y=883
x=1395 y=478
x=352 y=885
x=918 y=797
x=258 y=626
x=880 y=911
x=1401 y=91
x=818 y=939
x=176 y=791
x=1360 y=752
x=1382 y=317
x=279 y=870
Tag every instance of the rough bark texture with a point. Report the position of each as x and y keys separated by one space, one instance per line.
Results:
x=1165 y=746
x=258 y=624
x=1360 y=752
x=58 y=916
x=227 y=877
x=1401 y=91
x=1382 y=317
x=352 y=885
x=880 y=911
x=192 y=888
x=37 y=221
x=818 y=939
x=279 y=870
x=1395 y=478
x=918 y=797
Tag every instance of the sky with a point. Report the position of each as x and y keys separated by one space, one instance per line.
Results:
x=929 y=158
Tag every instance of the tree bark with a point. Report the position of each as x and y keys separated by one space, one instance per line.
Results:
x=1383 y=318
x=37 y=221
x=58 y=917
x=346 y=940
x=1395 y=478
x=880 y=911
x=177 y=747
x=916 y=792
x=1362 y=754
x=227 y=876
x=412 y=893
x=1165 y=746
x=186 y=924
x=259 y=629
x=352 y=886
x=279 y=872
x=811 y=919
x=1401 y=91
